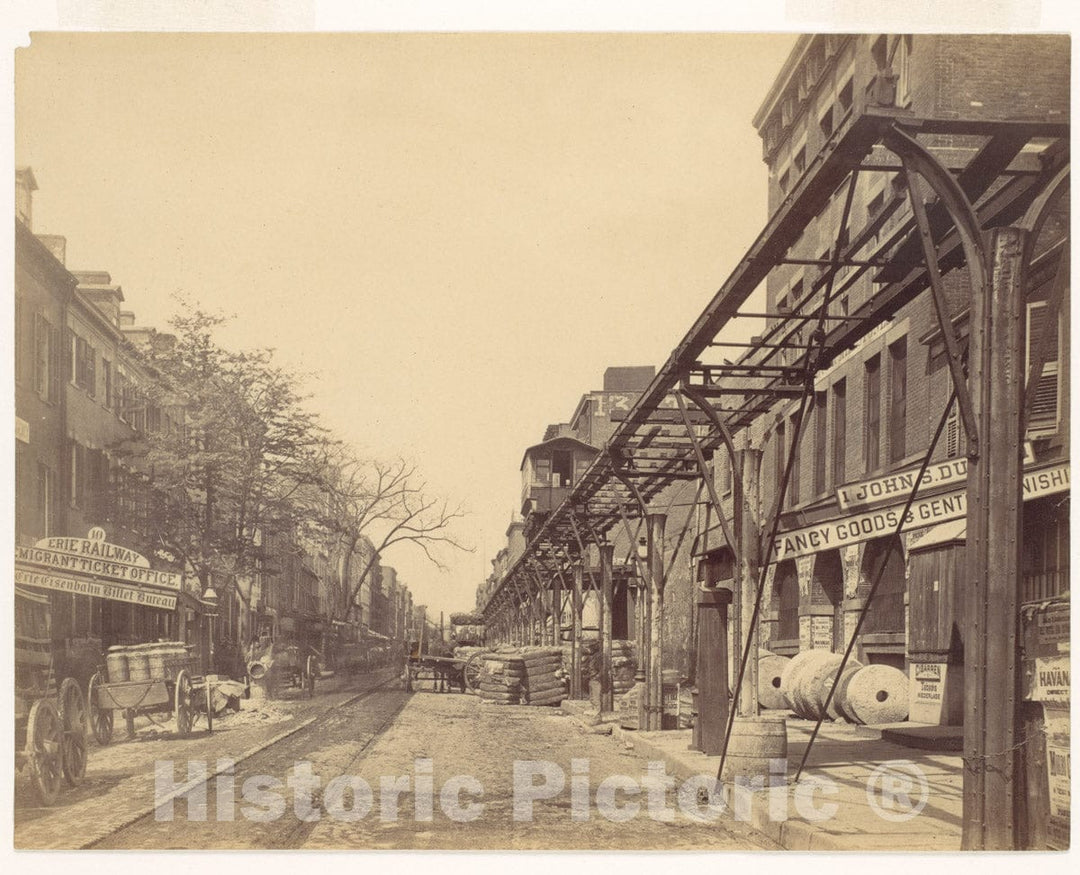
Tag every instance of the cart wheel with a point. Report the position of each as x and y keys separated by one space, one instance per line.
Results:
x=473 y=667
x=209 y=707
x=74 y=719
x=309 y=677
x=44 y=750
x=101 y=719
x=185 y=715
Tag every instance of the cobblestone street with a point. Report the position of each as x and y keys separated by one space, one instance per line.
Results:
x=381 y=738
x=463 y=736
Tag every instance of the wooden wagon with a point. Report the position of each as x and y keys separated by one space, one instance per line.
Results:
x=50 y=719
x=173 y=688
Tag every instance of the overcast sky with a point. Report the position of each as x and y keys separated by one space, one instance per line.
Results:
x=455 y=233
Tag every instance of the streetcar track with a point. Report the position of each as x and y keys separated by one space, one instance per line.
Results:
x=253 y=751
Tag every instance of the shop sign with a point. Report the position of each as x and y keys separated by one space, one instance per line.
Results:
x=1058 y=775
x=1048 y=680
x=885 y=521
x=927 y=698
x=881 y=490
x=59 y=582
x=95 y=557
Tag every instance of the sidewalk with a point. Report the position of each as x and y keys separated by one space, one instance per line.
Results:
x=874 y=785
x=119 y=784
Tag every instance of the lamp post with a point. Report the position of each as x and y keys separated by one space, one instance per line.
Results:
x=210 y=600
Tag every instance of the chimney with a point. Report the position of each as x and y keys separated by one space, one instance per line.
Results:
x=25 y=186
x=98 y=288
x=56 y=244
x=127 y=319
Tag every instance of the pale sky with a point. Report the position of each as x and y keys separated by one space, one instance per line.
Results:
x=456 y=233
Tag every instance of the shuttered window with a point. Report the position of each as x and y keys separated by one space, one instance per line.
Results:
x=872 y=419
x=898 y=401
x=1045 y=410
x=821 y=452
x=839 y=445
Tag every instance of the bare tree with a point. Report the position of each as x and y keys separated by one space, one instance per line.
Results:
x=375 y=506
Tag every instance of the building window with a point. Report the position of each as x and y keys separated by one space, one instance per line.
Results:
x=785 y=181
x=106 y=374
x=46 y=359
x=19 y=340
x=839 y=445
x=1046 y=405
x=902 y=67
x=46 y=482
x=84 y=370
x=78 y=474
x=846 y=96
x=725 y=475
x=787 y=601
x=821 y=414
x=781 y=459
x=542 y=472
x=793 y=484
x=952 y=431
x=898 y=401
x=799 y=161
x=872 y=419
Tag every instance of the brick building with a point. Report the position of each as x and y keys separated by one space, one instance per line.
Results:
x=876 y=408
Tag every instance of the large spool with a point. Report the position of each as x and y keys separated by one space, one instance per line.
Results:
x=770 y=672
x=877 y=694
x=754 y=744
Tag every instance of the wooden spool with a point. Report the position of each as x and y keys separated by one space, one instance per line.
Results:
x=878 y=694
x=755 y=742
x=770 y=671
x=819 y=665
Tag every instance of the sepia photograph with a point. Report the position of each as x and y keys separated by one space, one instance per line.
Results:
x=541 y=440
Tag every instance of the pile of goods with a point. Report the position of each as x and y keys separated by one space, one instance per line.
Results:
x=143 y=662
x=623 y=663
x=462 y=618
x=868 y=694
x=526 y=676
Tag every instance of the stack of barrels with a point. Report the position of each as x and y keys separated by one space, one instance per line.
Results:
x=144 y=662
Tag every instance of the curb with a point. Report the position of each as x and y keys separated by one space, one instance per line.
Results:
x=231 y=763
x=791 y=834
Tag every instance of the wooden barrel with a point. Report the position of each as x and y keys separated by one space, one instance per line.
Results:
x=117 y=664
x=139 y=665
x=755 y=743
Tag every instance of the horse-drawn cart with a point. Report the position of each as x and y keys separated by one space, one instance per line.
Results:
x=50 y=722
x=445 y=672
x=149 y=679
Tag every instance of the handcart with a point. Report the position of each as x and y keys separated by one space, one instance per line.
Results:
x=167 y=684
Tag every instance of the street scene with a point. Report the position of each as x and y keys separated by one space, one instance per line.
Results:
x=542 y=442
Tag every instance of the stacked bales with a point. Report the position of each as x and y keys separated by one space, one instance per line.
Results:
x=502 y=679
x=524 y=676
x=623 y=663
x=545 y=678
